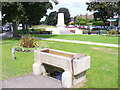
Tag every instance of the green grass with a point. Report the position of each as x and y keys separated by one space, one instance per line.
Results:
x=103 y=72
x=91 y=38
x=20 y=66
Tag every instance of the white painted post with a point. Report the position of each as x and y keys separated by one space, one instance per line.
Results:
x=13 y=53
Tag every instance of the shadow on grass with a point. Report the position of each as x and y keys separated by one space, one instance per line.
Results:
x=45 y=36
x=11 y=38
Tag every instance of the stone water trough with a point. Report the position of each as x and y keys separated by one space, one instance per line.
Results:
x=74 y=65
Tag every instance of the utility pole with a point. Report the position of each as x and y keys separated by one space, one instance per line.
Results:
x=118 y=20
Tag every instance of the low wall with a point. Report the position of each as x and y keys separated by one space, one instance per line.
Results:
x=59 y=30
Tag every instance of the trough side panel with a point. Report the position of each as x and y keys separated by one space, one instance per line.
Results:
x=81 y=65
x=54 y=60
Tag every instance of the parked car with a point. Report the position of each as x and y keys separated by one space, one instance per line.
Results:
x=70 y=26
x=1 y=29
x=118 y=30
x=20 y=27
x=80 y=27
x=6 y=28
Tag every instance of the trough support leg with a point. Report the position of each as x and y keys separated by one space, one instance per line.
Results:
x=67 y=79
x=37 y=68
x=43 y=71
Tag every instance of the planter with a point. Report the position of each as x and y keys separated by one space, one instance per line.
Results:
x=74 y=69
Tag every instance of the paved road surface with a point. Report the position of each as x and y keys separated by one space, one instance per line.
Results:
x=31 y=81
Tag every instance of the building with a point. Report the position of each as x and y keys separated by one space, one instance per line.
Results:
x=91 y=16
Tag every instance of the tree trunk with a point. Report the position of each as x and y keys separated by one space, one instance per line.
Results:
x=26 y=27
x=15 y=34
x=23 y=25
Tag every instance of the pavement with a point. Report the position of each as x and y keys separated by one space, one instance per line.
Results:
x=82 y=42
x=5 y=34
x=32 y=81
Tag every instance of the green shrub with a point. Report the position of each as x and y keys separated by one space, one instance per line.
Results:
x=85 y=31
x=89 y=23
x=98 y=23
x=28 y=41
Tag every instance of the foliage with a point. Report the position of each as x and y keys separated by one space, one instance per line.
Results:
x=103 y=10
x=24 y=12
x=22 y=49
x=52 y=18
x=81 y=21
x=28 y=41
x=112 y=32
x=89 y=23
x=98 y=23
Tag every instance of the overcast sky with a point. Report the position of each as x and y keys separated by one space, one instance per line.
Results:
x=75 y=7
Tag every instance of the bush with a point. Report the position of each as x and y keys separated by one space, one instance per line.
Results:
x=89 y=23
x=98 y=23
x=28 y=41
x=85 y=31
x=112 y=32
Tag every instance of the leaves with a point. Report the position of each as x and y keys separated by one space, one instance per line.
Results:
x=103 y=10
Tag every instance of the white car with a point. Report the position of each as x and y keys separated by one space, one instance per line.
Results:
x=6 y=28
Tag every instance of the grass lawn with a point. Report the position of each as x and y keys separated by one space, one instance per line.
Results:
x=91 y=38
x=102 y=74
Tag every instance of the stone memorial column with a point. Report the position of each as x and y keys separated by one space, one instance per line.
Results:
x=60 y=24
x=61 y=21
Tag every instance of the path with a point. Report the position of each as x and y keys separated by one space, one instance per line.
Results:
x=82 y=42
x=70 y=41
x=31 y=81
x=5 y=34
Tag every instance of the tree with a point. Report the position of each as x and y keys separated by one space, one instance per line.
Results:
x=52 y=18
x=103 y=10
x=24 y=12
x=66 y=14
x=81 y=21
x=12 y=12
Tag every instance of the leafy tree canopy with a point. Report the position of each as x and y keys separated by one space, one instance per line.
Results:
x=103 y=10
x=28 y=13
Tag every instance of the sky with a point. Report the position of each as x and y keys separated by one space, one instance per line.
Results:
x=75 y=7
